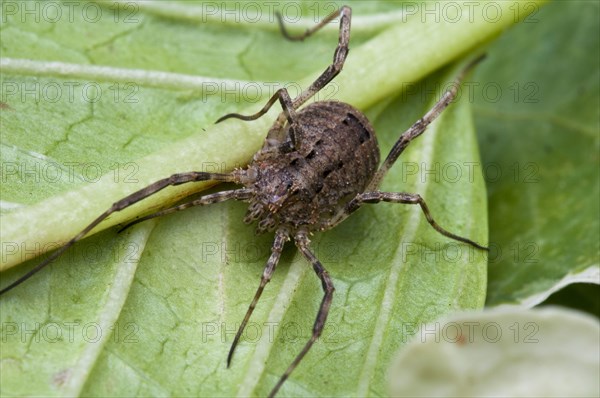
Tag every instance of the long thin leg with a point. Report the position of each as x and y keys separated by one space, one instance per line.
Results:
x=217 y=197
x=419 y=127
x=284 y=99
x=407 y=198
x=280 y=237
x=175 y=179
x=302 y=242
x=310 y=31
x=274 y=137
x=339 y=57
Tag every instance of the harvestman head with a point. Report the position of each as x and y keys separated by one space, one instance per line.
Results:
x=317 y=166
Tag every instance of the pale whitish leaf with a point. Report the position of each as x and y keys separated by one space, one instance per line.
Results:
x=551 y=352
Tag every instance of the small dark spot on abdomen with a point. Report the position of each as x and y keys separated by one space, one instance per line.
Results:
x=354 y=123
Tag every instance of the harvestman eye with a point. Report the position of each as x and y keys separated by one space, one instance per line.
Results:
x=329 y=149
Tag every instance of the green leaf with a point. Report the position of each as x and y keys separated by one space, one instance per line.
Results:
x=538 y=119
x=537 y=353
x=580 y=296
x=88 y=326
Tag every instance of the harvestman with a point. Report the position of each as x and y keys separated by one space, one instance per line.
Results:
x=316 y=167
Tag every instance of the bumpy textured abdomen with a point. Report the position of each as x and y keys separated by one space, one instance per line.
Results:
x=336 y=157
x=339 y=149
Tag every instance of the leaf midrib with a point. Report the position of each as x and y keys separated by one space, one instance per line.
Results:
x=115 y=296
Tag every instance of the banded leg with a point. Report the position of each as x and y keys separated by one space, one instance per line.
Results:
x=406 y=198
x=217 y=197
x=420 y=125
x=312 y=30
x=284 y=99
x=302 y=242
x=175 y=179
x=280 y=237
x=339 y=56
x=274 y=136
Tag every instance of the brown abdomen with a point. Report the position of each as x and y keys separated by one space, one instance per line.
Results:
x=338 y=155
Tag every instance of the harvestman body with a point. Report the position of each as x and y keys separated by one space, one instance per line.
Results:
x=317 y=166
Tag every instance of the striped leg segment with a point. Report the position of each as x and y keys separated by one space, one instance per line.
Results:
x=237 y=194
x=406 y=198
x=175 y=179
x=302 y=242
x=281 y=236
